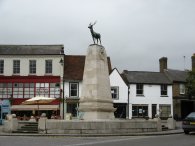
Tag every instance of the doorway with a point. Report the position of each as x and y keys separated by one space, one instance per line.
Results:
x=153 y=110
x=186 y=108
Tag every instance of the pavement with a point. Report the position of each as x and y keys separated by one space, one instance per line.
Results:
x=178 y=130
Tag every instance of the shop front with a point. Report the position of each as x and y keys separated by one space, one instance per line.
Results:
x=4 y=109
x=21 y=88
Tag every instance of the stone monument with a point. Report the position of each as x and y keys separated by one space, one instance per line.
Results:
x=96 y=102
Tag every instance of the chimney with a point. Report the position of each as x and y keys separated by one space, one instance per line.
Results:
x=193 y=62
x=163 y=63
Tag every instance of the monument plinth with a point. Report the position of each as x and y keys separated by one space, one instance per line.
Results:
x=96 y=102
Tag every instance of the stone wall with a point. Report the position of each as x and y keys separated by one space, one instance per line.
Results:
x=114 y=127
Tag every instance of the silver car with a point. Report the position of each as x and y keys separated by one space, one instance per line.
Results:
x=188 y=123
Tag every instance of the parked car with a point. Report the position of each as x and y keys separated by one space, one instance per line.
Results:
x=188 y=123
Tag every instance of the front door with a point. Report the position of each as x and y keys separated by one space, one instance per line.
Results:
x=153 y=110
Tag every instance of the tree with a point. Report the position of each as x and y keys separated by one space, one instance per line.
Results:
x=190 y=86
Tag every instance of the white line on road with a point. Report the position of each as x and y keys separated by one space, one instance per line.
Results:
x=109 y=141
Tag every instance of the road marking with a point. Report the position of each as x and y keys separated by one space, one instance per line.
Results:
x=109 y=141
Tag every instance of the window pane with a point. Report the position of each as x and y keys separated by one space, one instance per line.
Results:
x=48 y=66
x=42 y=89
x=165 y=111
x=72 y=108
x=134 y=111
x=139 y=89
x=32 y=66
x=115 y=92
x=163 y=89
x=32 y=85
x=140 y=111
x=1 y=66
x=16 y=66
x=182 y=88
x=73 y=89
x=55 y=90
x=52 y=85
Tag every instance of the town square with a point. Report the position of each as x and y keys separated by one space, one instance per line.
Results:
x=97 y=73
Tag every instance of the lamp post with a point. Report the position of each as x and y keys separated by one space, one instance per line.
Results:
x=62 y=64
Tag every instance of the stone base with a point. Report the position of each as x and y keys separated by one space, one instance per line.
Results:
x=98 y=115
x=112 y=127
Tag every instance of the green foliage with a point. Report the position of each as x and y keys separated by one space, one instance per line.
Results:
x=190 y=86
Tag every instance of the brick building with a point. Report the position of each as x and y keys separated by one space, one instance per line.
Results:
x=182 y=105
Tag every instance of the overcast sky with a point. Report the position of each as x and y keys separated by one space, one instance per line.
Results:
x=135 y=33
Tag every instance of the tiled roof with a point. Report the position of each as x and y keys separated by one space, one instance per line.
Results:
x=31 y=49
x=145 y=77
x=176 y=75
x=74 y=67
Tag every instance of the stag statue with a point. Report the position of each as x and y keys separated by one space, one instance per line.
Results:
x=94 y=35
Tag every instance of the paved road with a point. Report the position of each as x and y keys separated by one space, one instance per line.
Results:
x=168 y=140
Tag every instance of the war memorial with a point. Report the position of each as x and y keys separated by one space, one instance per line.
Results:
x=95 y=105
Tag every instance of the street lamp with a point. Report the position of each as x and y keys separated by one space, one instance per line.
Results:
x=62 y=64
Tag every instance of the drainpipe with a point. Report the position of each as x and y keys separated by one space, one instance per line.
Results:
x=128 y=102
x=63 y=90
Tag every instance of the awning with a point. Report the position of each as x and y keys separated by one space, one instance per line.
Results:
x=33 y=107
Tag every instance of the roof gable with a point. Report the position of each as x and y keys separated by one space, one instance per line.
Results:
x=115 y=70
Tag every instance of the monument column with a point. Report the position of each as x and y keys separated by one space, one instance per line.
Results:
x=96 y=102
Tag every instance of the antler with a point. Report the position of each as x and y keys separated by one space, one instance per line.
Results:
x=94 y=22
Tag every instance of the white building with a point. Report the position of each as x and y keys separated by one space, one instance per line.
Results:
x=150 y=94
x=27 y=71
x=119 y=90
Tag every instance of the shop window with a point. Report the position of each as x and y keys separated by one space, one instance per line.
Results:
x=140 y=111
x=2 y=90
x=42 y=89
x=28 y=90
x=115 y=92
x=5 y=90
x=72 y=108
x=165 y=111
x=18 y=90
x=55 y=90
